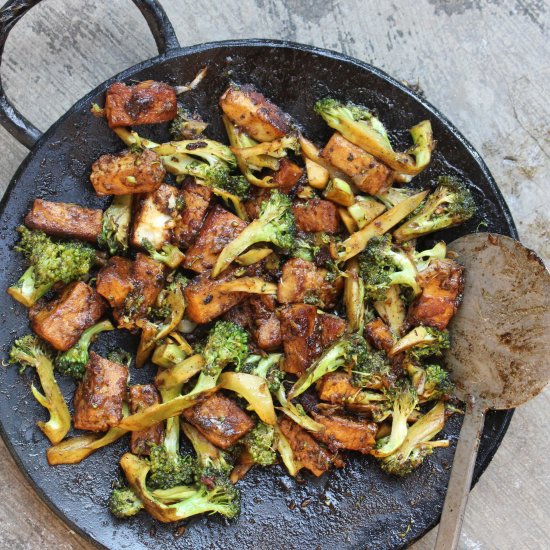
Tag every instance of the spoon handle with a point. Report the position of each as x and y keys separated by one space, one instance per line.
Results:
x=461 y=479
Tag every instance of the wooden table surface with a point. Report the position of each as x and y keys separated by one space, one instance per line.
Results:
x=484 y=63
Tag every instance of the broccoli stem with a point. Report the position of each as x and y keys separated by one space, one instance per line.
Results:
x=26 y=290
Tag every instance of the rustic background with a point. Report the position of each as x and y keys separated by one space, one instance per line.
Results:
x=484 y=63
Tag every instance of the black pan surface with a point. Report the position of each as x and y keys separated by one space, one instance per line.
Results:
x=358 y=507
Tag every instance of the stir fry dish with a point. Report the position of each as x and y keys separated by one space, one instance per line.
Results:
x=282 y=303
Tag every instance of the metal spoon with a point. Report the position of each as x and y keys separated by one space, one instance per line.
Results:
x=500 y=355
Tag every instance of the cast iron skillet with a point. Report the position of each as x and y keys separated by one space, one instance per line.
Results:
x=358 y=507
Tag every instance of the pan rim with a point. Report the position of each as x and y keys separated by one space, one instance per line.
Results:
x=271 y=44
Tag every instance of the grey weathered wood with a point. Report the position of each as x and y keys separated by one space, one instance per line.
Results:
x=484 y=63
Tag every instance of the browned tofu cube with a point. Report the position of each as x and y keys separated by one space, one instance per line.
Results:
x=141 y=397
x=114 y=280
x=336 y=387
x=220 y=420
x=255 y=114
x=332 y=327
x=266 y=326
x=252 y=205
x=287 y=176
x=303 y=281
x=155 y=218
x=306 y=450
x=63 y=219
x=127 y=173
x=205 y=300
x=196 y=200
x=379 y=334
x=316 y=215
x=367 y=173
x=442 y=284
x=62 y=321
x=346 y=433
x=219 y=229
x=147 y=102
x=99 y=397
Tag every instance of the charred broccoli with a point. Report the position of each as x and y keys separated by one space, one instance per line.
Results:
x=450 y=204
x=260 y=443
x=381 y=265
x=73 y=361
x=437 y=385
x=115 y=225
x=275 y=225
x=29 y=351
x=186 y=125
x=374 y=371
x=123 y=503
x=50 y=262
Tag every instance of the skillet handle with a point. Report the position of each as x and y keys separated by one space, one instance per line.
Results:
x=10 y=118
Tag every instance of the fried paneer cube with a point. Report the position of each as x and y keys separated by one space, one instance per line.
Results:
x=63 y=219
x=127 y=173
x=368 y=174
x=220 y=420
x=62 y=321
x=316 y=215
x=205 y=298
x=313 y=456
x=342 y=432
x=155 y=218
x=251 y=111
x=442 y=285
x=142 y=396
x=379 y=334
x=303 y=281
x=147 y=102
x=305 y=334
x=114 y=281
x=100 y=395
x=219 y=229
x=196 y=201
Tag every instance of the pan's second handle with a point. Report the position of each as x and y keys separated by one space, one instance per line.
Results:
x=10 y=118
x=461 y=479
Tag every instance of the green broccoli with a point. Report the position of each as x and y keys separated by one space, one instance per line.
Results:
x=50 y=262
x=186 y=125
x=275 y=225
x=120 y=356
x=123 y=503
x=422 y=258
x=394 y=195
x=403 y=399
x=416 y=445
x=350 y=350
x=374 y=371
x=168 y=468
x=73 y=361
x=29 y=351
x=381 y=265
x=227 y=343
x=222 y=498
x=115 y=225
x=307 y=246
x=423 y=342
x=168 y=254
x=450 y=204
x=265 y=367
x=437 y=385
x=260 y=443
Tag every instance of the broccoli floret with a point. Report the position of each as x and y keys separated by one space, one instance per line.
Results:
x=422 y=259
x=73 y=361
x=169 y=469
x=308 y=245
x=403 y=399
x=120 y=356
x=350 y=350
x=50 y=262
x=361 y=127
x=373 y=372
x=423 y=342
x=450 y=204
x=437 y=385
x=222 y=498
x=169 y=254
x=417 y=445
x=186 y=125
x=115 y=225
x=265 y=367
x=275 y=225
x=260 y=443
x=227 y=343
x=381 y=265
x=29 y=351
x=123 y=503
